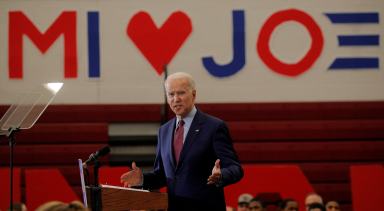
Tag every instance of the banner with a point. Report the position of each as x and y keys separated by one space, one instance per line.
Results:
x=117 y=51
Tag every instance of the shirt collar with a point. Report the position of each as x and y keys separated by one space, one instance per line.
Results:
x=188 y=119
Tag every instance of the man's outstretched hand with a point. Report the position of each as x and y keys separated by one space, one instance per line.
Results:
x=134 y=177
x=216 y=174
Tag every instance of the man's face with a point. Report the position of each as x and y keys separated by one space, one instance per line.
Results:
x=333 y=206
x=255 y=206
x=180 y=96
x=243 y=206
x=291 y=206
x=312 y=199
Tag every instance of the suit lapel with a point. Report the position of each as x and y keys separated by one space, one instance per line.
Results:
x=170 y=133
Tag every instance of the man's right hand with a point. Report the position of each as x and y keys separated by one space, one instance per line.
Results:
x=134 y=177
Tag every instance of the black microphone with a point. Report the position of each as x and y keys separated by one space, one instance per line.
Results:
x=94 y=156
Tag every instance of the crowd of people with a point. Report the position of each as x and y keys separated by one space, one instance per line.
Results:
x=246 y=202
x=313 y=202
x=52 y=206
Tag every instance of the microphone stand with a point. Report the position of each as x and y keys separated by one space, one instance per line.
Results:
x=96 y=189
x=96 y=173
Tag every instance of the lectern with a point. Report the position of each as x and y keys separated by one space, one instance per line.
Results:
x=115 y=198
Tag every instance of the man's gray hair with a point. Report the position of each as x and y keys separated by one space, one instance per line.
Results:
x=182 y=75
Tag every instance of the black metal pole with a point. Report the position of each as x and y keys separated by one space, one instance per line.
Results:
x=96 y=190
x=164 y=107
x=96 y=173
x=11 y=138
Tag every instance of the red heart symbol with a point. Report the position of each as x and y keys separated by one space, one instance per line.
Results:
x=159 y=45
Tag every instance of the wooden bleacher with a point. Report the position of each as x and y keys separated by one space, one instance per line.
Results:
x=324 y=139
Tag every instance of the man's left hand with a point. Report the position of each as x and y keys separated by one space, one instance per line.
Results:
x=216 y=174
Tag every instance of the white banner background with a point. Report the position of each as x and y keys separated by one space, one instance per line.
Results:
x=127 y=77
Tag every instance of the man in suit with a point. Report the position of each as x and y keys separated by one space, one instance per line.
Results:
x=195 y=156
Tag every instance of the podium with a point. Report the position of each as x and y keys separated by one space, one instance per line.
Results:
x=115 y=198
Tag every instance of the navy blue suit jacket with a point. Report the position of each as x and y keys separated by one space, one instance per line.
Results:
x=208 y=139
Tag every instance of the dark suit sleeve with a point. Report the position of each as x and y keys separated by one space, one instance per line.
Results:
x=156 y=179
x=231 y=169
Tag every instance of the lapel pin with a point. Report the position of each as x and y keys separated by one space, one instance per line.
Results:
x=197 y=130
